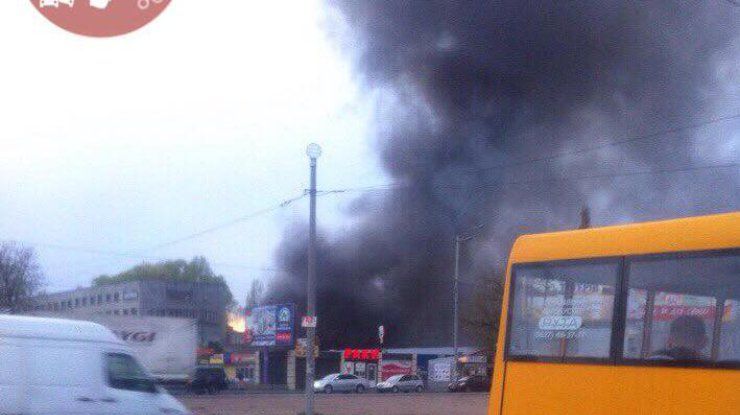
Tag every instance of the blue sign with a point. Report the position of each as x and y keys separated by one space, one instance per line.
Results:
x=270 y=326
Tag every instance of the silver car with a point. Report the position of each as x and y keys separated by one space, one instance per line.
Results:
x=401 y=383
x=337 y=382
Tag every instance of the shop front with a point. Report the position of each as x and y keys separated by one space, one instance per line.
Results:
x=242 y=367
x=363 y=363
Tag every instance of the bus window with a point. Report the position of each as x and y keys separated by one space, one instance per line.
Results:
x=683 y=308
x=563 y=310
x=729 y=342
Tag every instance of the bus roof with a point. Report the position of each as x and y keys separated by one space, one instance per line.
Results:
x=721 y=231
x=57 y=329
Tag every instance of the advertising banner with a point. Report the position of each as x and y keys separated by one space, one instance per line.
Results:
x=270 y=326
x=166 y=346
x=440 y=370
x=395 y=367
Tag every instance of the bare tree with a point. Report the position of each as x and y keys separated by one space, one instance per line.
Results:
x=482 y=318
x=256 y=291
x=20 y=277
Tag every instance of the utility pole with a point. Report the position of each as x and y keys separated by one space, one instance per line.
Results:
x=313 y=152
x=456 y=296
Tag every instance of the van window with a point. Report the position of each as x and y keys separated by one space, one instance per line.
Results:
x=562 y=310
x=683 y=308
x=70 y=368
x=125 y=373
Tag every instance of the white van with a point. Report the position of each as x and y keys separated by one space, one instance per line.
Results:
x=63 y=367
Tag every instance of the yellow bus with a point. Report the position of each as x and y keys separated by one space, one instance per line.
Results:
x=635 y=319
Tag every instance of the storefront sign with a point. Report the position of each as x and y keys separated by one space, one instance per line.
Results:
x=240 y=358
x=362 y=354
x=269 y=326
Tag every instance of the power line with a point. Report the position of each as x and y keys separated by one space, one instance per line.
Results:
x=393 y=186
x=610 y=175
x=613 y=143
x=227 y=224
x=381 y=187
x=560 y=179
x=129 y=255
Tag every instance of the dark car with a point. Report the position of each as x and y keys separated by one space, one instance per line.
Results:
x=211 y=379
x=475 y=383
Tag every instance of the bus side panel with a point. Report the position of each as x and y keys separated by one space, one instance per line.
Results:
x=537 y=388
x=496 y=397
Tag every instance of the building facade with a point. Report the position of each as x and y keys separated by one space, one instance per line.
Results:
x=203 y=301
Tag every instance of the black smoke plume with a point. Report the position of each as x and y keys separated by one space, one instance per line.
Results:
x=485 y=109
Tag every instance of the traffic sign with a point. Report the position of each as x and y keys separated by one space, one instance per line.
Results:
x=308 y=322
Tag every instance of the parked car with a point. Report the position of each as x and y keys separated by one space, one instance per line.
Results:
x=211 y=379
x=475 y=383
x=337 y=382
x=401 y=383
x=53 y=366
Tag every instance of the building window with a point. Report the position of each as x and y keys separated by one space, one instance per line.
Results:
x=130 y=295
x=134 y=312
x=116 y=312
x=84 y=302
x=77 y=302
x=100 y=298
x=108 y=298
x=116 y=297
x=125 y=311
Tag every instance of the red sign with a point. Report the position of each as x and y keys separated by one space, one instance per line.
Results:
x=204 y=351
x=362 y=354
x=671 y=312
x=395 y=367
x=236 y=358
x=283 y=338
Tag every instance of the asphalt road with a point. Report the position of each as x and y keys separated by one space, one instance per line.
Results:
x=340 y=404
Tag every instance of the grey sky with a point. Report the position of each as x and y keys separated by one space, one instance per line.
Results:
x=203 y=116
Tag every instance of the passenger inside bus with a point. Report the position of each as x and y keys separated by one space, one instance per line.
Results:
x=686 y=339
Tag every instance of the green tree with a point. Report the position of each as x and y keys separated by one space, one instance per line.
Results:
x=20 y=277
x=197 y=270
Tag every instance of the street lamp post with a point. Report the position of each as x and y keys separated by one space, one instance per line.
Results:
x=313 y=152
x=456 y=295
